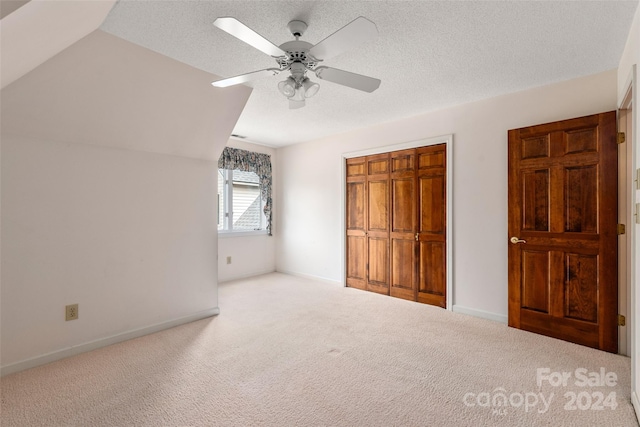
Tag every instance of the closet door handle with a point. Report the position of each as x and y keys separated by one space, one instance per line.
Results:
x=417 y=236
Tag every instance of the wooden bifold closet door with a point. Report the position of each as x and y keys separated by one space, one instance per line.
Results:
x=396 y=224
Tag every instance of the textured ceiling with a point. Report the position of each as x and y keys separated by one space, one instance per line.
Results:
x=428 y=54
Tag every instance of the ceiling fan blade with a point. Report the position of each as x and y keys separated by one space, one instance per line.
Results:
x=247 y=35
x=295 y=104
x=351 y=35
x=345 y=78
x=243 y=78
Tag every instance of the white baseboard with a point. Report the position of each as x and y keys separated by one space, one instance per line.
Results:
x=482 y=314
x=311 y=277
x=244 y=276
x=103 y=342
x=636 y=404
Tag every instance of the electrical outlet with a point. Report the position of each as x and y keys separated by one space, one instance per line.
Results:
x=71 y=312
x=228 y=260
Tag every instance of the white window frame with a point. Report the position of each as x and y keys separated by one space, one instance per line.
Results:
x=227 y=214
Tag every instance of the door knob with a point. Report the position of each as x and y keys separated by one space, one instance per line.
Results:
x=417 y=237
x=515 y=240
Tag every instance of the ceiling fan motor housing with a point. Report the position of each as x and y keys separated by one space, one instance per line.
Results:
x=297 y=28
x=297 y=51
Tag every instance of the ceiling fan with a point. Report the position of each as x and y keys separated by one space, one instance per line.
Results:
x=299 y=57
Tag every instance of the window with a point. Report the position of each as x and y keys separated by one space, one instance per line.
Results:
x=244 y=191
x=240 y=206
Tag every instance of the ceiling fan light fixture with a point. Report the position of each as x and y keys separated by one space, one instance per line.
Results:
x=299 y=95
x=310 y=88
x=287 y=87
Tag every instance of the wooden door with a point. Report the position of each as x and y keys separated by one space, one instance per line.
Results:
x=431 y=177
x=356 y=215
x=403 y=224
x=562 y=222
x=396 y=224
x=377 y=223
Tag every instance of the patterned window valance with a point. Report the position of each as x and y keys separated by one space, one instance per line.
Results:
x=248 y=161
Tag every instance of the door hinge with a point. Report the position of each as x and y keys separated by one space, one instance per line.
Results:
x=621 y=138
x=622 y=321
x=621 y=229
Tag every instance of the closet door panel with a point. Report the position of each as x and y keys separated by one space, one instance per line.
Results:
x=403 y=225
x=432 y=225
x=356 y=215
x=378 y=215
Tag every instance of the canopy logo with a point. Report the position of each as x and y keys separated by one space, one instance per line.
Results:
x=594 y=399
x=499 y=401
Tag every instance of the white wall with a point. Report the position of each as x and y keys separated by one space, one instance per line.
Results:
x=309 y=190
x=108 y=197
x=250 y=254
x=629 y=60
x=630 y=55
x=129 y=236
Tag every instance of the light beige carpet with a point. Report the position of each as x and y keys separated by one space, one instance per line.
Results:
x=287 y=351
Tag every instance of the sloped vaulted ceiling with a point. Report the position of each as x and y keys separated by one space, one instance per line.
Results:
x=107 y=91
x=31 y=32
x=64 y=80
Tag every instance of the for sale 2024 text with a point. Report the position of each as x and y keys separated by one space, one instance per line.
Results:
x=593 y=398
